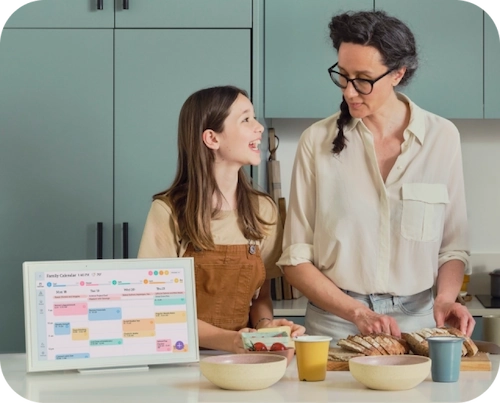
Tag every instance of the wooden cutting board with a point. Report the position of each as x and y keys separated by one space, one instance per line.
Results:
x=480 y=362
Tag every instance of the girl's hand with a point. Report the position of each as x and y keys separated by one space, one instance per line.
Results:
x=238 y=347
x=295 y=329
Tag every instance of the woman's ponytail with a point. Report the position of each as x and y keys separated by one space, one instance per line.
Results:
x=344 y=118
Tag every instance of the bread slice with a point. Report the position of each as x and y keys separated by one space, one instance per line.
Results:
x=375 y=344
x=398 y=346
x=352 y=346
x=385 y=343
x=418 y=345
x=370 y=349
x=340 y=354
x=400 y=343
x=425 y=332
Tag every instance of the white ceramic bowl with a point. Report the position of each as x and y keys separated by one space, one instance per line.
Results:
x=390 y=372
x=288 y=353
x=244 y=371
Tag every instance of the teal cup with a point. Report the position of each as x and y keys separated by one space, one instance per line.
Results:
x=446 y=355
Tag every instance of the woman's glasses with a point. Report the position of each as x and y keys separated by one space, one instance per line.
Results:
x=361 y=85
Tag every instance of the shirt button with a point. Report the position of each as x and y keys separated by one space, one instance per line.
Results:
x=398 y=167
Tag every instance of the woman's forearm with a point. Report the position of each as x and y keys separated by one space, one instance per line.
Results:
x=449 y=280
x=322 y=292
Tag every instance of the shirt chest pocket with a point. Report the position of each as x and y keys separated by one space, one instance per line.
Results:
x=423 y=211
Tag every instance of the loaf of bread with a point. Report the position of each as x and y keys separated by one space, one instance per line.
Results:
x=375 y=344
x=384 y=344
x=419 y=345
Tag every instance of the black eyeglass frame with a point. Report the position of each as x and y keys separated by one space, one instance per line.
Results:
x=353 y=80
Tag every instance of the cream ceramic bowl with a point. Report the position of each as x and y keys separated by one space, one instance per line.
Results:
x=390 y=372
x=244 y=371
x=288 y=353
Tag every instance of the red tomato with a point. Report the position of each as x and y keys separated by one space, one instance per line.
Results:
x=277 y=347
x=259 y=347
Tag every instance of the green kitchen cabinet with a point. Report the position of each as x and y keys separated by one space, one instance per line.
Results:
x=88 y=122
x=491 y=69
x=449 y=35
x=155 y=71
x=64 y=14
x=184 y=14
x=139 y=14
x=298 y=53
x=56 y=156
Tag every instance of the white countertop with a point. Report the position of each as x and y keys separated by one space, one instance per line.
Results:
x=297 y=307
x=185 y=383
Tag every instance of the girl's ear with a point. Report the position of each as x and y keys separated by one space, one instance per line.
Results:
x=210 y=139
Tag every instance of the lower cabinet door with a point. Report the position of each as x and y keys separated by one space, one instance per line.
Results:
x=155 y=71
x=56 y=156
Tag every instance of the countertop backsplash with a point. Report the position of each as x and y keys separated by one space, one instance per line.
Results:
x=482 y=264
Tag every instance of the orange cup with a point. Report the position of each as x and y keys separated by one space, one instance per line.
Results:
x=312 y=357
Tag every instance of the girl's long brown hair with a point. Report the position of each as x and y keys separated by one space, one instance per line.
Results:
x=190 y=195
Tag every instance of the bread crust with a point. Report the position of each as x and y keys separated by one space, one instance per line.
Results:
x=418 y=345
x=351 y=346
x=410 y=342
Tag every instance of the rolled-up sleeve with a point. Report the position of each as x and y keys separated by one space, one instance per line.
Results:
x=298 y=237
x=455 y=243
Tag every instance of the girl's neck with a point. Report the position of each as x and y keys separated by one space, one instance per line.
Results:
x=227 y=181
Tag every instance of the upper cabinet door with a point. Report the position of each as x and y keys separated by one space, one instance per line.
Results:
x=63 y=14
x=184 y=14
x=155 y=71
x=298 y=52
x=491 y=69
x=449 y=35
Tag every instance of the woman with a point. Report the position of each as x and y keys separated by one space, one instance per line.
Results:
x=377 y=213
x=212 y=213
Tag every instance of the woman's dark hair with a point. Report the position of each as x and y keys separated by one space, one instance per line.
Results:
x=389 y=35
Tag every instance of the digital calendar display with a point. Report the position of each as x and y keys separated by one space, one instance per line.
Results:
x=106 y=313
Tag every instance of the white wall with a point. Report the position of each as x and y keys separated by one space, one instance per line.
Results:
x=481 y=160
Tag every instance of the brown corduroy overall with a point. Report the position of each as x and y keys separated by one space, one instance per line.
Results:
x=226 y=281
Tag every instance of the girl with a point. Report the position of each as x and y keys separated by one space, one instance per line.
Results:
x=212 y=213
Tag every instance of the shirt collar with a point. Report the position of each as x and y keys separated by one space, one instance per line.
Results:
x=416 y=125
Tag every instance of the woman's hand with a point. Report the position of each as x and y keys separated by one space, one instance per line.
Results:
x=369 y=322
x=295 y=329
x=455 y=315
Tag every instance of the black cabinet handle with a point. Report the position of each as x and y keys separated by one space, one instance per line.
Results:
x=125 y=4
x=99 y=240
x=125 y=240
x=100 y=4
